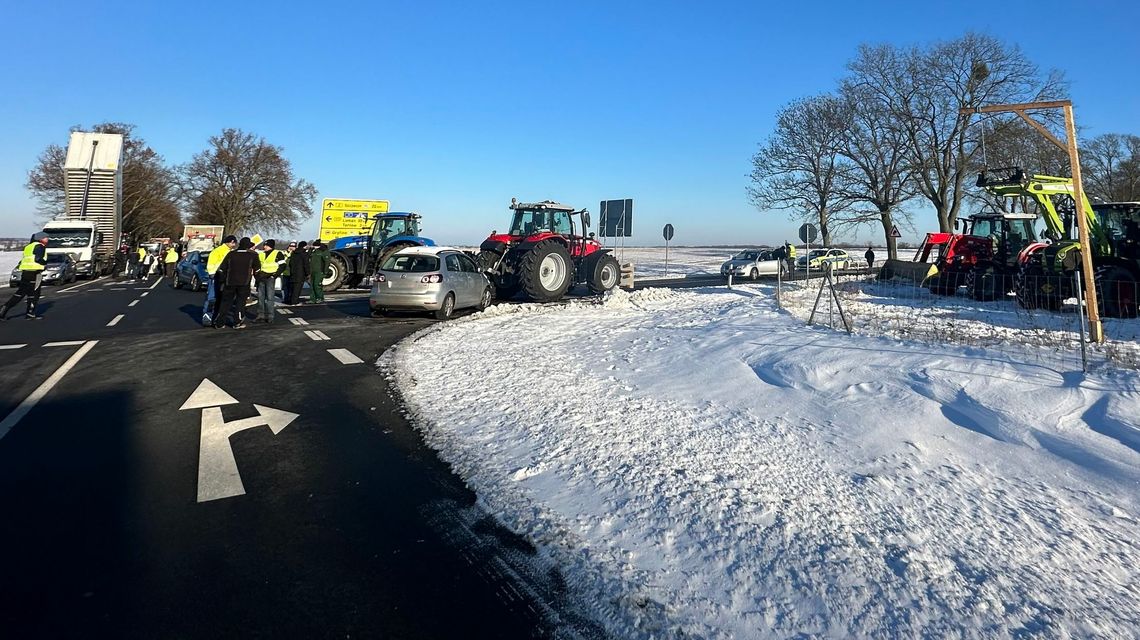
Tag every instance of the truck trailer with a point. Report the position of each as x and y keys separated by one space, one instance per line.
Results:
x=90 y=225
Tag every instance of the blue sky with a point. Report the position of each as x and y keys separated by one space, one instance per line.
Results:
x=451 y=109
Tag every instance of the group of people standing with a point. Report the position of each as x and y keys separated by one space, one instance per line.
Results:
x=234 y=265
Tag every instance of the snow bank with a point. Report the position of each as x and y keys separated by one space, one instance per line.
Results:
x=8 y=261
x=701 y=464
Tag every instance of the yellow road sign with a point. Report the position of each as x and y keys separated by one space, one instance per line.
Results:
x=340 y=217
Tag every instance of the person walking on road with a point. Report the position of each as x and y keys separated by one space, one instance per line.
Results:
x=298 y=273
x=235 y=272
x=318 y=265
x=171 y=259
x=790 y=252
x=213 y=285
x=31 y=277
x=148 y=264
x=140 y=265
x=271 y=262
x=870 y=256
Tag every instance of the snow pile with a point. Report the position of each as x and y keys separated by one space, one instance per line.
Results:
x=8 y=261
x=700 y=463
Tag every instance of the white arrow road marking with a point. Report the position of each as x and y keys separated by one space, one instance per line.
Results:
x=207 y=394
x=114 y=321
x=13 y=346
x=218 y=475
x=298 y=321
x=43 y=389
x=345 y=356
x=68 y=343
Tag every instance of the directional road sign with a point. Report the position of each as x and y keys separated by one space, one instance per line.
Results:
x=340 y=217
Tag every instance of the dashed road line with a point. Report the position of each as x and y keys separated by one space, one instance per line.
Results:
x=317 y=335
x=12 y=346
x=116 y=320
x=284 y=312
x=44 y=388
x=118 y=288
x=133 y=303
x=345 y=356
x=65 y=343
x=298 y=321
x=80 y=285
x=143 y=295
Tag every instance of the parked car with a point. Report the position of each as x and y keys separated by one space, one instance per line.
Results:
x=752 y=263
x=437 y=279
x=60 y=269
x=191 y=271
x=836 y=258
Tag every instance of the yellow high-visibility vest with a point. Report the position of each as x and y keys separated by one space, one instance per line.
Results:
x=269 y=261
x=171 y=255
x=216 y=257
x=28 y=262
x=142 y=254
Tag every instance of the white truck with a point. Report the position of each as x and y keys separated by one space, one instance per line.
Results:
x=90 y=225
x=202 y=237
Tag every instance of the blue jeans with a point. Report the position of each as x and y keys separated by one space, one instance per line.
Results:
x=211 y=298
x=265 y=299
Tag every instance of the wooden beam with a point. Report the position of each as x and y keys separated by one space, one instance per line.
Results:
x=1096 y=329
x=1022 y=106
x=1043 y=131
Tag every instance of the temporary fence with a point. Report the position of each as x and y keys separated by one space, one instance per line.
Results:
x=1046 y=326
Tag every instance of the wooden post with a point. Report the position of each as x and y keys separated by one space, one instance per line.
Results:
x=1096 y=328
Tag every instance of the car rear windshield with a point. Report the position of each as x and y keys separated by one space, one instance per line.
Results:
x=411 y=264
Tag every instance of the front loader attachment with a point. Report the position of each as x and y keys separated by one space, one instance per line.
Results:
x=920 y=269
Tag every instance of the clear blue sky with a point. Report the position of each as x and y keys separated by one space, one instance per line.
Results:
x=451 y=109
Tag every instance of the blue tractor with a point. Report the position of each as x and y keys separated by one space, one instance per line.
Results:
x=355 y=258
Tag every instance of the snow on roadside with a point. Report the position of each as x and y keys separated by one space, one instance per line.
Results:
x=8 y=261
x=700 y=463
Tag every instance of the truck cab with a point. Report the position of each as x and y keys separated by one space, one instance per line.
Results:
x=80 y=238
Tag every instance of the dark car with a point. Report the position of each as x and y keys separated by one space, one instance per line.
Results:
x=191 y=271
x=60 y=269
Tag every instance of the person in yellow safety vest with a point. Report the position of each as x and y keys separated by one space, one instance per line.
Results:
x=213 y=287
x=171 y=259
x=140 y=269
x=791 y=256
x=271 y=261
x=31 y=276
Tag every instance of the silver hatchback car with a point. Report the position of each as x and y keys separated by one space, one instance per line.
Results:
x=437 y=279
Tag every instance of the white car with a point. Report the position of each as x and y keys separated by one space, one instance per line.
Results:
x=436 y=279
x=752 y=263
x=837 y=258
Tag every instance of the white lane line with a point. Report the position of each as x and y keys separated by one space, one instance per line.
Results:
x=143 y=295
x=118 y=288
x=284 y=312
x=317 y=335
x=43 y=389
x=298 y=321
x=12 y=346
x=322 y=335
x=155 y=283
x=345 y=356
x=133 y=303
x=116 y=320
x=80 y=285
x=66 y=343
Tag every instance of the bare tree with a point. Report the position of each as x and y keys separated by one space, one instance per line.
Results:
x=925 y=89
x=149 y=198
x=246 y=184
x=1111 y=167
x=799 y=167
x=881 y=174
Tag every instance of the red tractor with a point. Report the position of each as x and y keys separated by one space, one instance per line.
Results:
x=547 y=251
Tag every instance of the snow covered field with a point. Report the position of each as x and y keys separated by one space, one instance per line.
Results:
x=649 y=262
x=702 y=464
x=8 y=261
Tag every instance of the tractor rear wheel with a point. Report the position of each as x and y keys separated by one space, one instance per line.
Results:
x=386 y=252
x=545 y=271
x=605 y=272
x=1116 y=292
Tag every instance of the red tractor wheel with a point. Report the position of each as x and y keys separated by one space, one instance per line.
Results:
x=545 y=271
x=605 y=272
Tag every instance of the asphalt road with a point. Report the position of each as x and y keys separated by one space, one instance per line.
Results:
x=126 y=515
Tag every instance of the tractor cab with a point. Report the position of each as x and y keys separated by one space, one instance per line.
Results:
x=392 y=225
x=1008 y=233
x=1121 y=222
x=537 y=221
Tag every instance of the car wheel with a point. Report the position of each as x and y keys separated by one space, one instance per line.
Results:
x=485 y=299
x=754 y=274
x=195 y=283
x=447 y=308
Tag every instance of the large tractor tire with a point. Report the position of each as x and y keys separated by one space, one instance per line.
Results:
x=605 y=272
x=386 y=252
x=335 y=274
x=1116 y=292
x=1036 y=290
x=545 y=271
x=985 y=285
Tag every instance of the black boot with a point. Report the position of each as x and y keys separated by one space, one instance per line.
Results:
x=32 y=311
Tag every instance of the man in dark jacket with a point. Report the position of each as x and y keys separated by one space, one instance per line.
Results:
x=298 y=273
x=870 y=256
x=318 y=264
x=235 y=273
x=31 y=266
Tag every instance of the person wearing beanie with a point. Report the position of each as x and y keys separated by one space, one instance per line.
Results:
x=234 y=273
x=318 y=264
x=266 y=278
x=31 y=276
x=298 y=269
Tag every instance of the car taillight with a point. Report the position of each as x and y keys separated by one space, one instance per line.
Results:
x=432 y=279
x=380 y=278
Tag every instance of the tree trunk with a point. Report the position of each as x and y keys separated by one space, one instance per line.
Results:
x=888 y=226
x=824 y=231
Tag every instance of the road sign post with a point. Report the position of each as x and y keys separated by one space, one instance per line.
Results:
x=808 y=234
x=667 y=233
